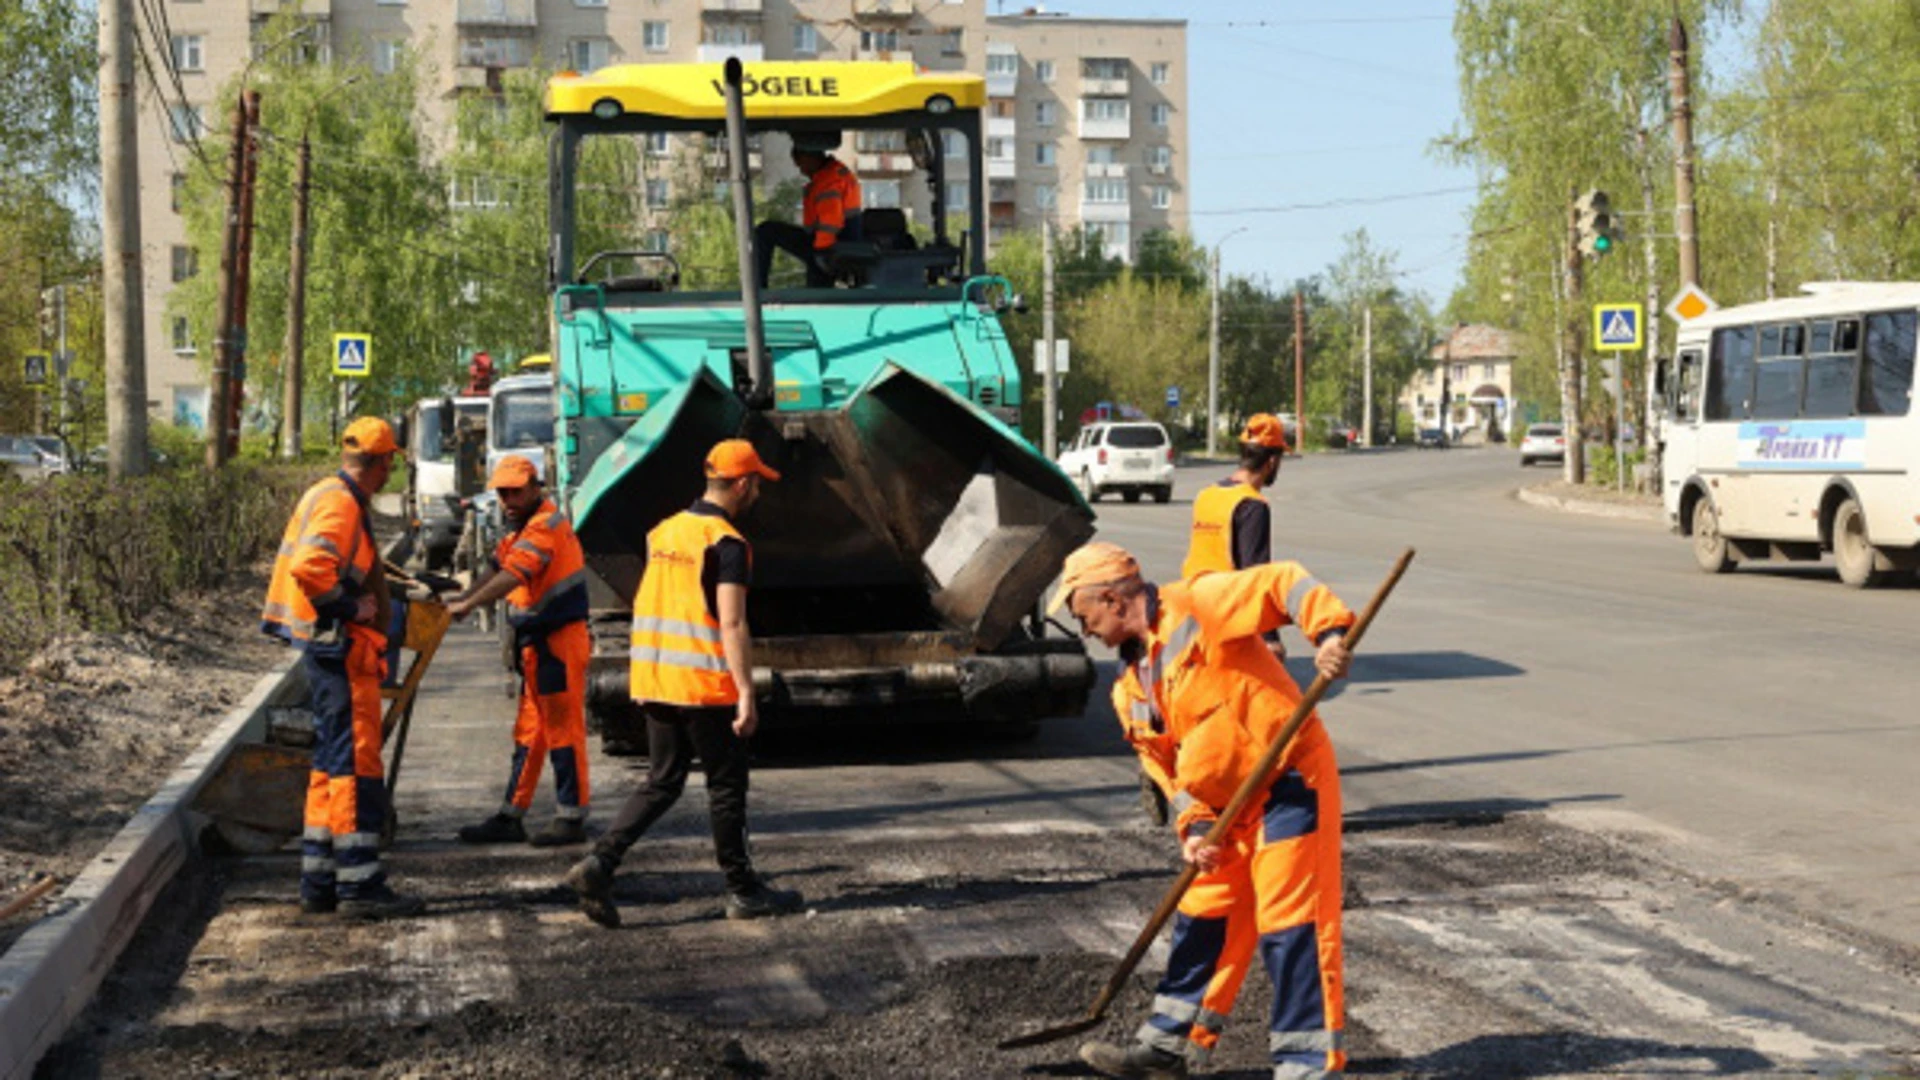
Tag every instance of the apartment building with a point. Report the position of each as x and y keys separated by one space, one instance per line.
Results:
x=1087 y=123
x=1467 y=384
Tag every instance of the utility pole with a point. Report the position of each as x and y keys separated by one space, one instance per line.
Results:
x=237 y=366
x=1652 y=261
x=1213 y=357
x=121 y=291
x=223 y=343
x=1573 y=337
x=1049 y=394
x=292 y=374
x=1366 y=377
x=1683 y=214
x=1299 y=369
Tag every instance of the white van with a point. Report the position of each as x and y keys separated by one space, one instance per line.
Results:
x=1132 y=457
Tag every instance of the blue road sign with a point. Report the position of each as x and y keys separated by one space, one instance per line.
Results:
x=353 y=355
x=1617 y=326
x=1173 y=397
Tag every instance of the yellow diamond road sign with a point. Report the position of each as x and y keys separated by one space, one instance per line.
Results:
x=1692 y=303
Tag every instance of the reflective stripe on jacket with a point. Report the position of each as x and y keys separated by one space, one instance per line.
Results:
x=326 y=558
x=677 y=654
x=545 y=555
x=1219 y=690
x=832 y=193
x=1211 y=546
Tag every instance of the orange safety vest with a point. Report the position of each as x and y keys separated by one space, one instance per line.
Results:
x=1220 y=691
x=677 y=655
x=832 y=193
x=545 y=555
x=326 y=554
x=1211 y=547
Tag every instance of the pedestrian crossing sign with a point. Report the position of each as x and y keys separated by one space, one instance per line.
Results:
x=1617 y=326
x=353 y=355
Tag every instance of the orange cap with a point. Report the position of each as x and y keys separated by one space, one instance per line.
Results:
x=513 y=472
x=370 y=435
x=1098 y=563
x=735 y=458
x=1265 y=429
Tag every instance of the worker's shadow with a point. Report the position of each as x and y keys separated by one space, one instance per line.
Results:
x=1560 y=1053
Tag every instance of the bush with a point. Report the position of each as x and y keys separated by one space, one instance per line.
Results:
x=1603 y=465
x=91 y=554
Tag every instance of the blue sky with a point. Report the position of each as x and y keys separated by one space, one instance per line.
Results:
x=1301 y=101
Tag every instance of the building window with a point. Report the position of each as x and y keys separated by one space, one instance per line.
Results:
x=189 y=122
x=1043 y=196
x=1103 y=155
x=880 y=193
x=999 y=149
x=732 y=34
x=388 y=55
x=1106 y=190
x=500 y=52
x=656 y=143
x=654 y=240
x=1103 y=68
x=189 y=53
x=1160 y=73
x=1100 y=108
x=1486 y=371
x=1003 y=63
x=879 y=40
x=472 y=192
x=1160 y=158
x=653 y=36
x=588 y=55
x=806 y=39
x=178 y=189
x=590 y=3
x=186 y=263
x=1157 y=115
x=1043 y=70
x=657 y=191
x=1160 y=196
x=1459 y=373
x=182 y=334
x=1115 y=234
x=1043 y=113
x=957 y=197
x=950 y=42
x=1044 y=154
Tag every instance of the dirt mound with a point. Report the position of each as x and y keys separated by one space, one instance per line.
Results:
x=95 y=723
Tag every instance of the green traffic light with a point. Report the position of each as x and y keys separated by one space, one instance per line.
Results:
x=1602 y=244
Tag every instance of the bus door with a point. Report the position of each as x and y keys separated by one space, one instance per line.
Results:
x=1680 y=424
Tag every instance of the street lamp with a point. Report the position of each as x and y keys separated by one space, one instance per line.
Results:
x=1213 y=346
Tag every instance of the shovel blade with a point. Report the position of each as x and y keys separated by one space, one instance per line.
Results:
x=1053 y=1034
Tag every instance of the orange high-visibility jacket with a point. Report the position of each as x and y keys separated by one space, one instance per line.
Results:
x=326 y=557
x=1143 y=729
x=677 y=654
x=832 y=194
x=546 y=557
x=1211 y=546
x=1220 y=691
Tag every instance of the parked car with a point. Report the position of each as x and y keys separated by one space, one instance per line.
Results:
x=1543 y=442
x=1340 y=434
x=1431 y=437
x=1132 y=457
x=26 y=458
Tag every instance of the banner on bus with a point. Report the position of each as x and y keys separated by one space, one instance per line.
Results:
x=1812 y=445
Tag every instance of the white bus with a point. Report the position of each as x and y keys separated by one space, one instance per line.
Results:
x=1788 y=431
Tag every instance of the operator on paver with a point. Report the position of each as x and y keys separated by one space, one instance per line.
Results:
x=543 y=579
x=328 y=595
x=1203 y=697
x=692 y=673
x=829 y=203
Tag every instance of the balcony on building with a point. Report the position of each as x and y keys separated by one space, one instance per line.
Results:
x=1105 y=118
x=1105 y=213
x=310 y=9
x=883 y=9
x=881 y=153
x=1003 y=71
x=480 y=58
x=1003 y=208
x=1104 y=76
x=497 y=15
x=716 y=52
x=1002 y=127
x=1110 y=170
x=732 y=7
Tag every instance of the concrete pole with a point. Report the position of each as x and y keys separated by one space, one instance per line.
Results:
x=292 y=371
x=1574 y=338
x=1049 y=393
x=223 y=343
x=121 y=286
x=1366 y=377
x=1213 y=357
x=1683 y=212
x=1299 y=370
x=243 y=292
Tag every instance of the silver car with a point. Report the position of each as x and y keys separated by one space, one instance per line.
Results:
x=26 y=458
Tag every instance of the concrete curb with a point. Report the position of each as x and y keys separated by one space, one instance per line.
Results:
x=50 y=974
x=1592 y=507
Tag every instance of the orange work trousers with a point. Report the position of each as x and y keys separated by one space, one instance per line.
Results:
x=346 y=793
x=552 y=725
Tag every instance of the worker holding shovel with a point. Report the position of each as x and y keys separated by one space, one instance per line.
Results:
x=1204 y=688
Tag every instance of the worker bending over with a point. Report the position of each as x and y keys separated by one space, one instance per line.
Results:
x=543 y=578
x=692 y=674
x=1204 y=697
x=328 y=595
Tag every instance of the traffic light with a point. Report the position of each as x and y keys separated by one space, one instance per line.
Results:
x=1599 y=230
x=49 y=313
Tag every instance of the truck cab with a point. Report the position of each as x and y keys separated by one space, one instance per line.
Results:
x=435 y=496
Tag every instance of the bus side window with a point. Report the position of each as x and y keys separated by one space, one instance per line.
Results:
x=1886 y=383
x=1729 y=392
x=1832 y=352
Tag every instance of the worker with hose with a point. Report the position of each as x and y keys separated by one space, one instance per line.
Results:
x=1203 y=697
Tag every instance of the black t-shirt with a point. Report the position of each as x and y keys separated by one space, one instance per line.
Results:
x=727 y=562
x=1252 y=533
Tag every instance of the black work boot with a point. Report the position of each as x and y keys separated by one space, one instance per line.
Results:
x=498 y=829
x=761 y=901
x=560 y=832
x=374 y=905
x=1136 y=1062
x=591 y=879
x=318 y=905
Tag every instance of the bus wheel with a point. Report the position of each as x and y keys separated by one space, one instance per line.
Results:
x=1710 y=549
x=1852 y=554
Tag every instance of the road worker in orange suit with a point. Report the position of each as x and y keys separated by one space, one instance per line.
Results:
x=827 y=208
x=692 y=674
x=328 y=595
x=1212 y=697
x=543 y=579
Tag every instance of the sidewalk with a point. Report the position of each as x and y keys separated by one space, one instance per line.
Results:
x=1589 y=499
